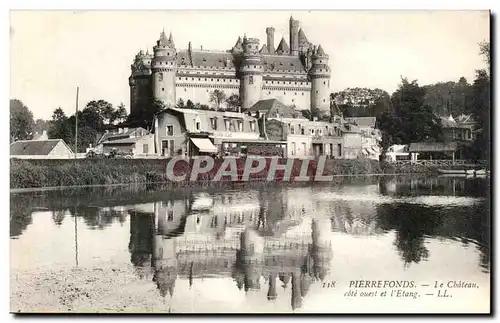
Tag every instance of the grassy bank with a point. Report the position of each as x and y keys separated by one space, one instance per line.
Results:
x=50 y=173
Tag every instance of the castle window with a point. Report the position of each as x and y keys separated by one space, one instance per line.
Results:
x=324 y=100
x=205 y=78
x=324 y=82
x=170 y=130
x=198 y=125
x=284 y=92
x=316 y=91
x=269 y=92
x=252 y=125
x=185 y=89
x=226 y=124
x=254 y=66
x=292 y=129
x=302 y=93
x=295 y=93
x=160 y=77
x=217 y=80
x=168 y=53
x=186 y=78
x=293 y=100
x=295 y=83
x=163 y=89
x=199 y=79
x=272 y=82
x=320 y=70
x=240 y=126
x=302 y=131
x=250 y=80
x=192 y=79
x=311 y=131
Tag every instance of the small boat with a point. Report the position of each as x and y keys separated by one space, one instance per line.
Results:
x=453 y=171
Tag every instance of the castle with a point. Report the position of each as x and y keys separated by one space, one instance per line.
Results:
x=297 y=75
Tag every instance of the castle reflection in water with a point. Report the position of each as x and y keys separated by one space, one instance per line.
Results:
x=244 y=235
x=270 y=236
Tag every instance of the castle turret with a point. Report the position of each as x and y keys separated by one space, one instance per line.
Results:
x=164 y=69
x=294 y=37
x=320 y=81
x=140 y=83
x=270 y=39
x=251 y=70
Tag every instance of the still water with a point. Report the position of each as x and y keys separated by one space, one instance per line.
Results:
x=250 y=249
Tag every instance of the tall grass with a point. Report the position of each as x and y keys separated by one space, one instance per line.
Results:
x=49 y=173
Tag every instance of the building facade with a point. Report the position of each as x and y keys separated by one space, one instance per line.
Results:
x=296 y=75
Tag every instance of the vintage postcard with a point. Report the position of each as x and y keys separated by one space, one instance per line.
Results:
x=250 y=162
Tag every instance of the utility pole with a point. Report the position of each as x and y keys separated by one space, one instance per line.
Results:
x=76 y=123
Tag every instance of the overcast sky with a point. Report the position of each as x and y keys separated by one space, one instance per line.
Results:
x=53 y=52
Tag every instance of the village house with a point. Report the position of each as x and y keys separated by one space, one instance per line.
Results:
x=132 y=147
x=397 y=152
x=371 y=137
x=124 y=138
x=459 y=129
x=190 y=132
x=41 y=149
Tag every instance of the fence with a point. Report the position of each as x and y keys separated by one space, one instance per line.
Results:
x=439 y=162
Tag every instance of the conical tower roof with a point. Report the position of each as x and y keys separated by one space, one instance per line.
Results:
x=320 y=51
x=302 y=37
x=283 y=47
x=163 y=41
x=264 y=49
x=171 y=39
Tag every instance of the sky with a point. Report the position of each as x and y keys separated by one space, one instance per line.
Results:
x=53 y=52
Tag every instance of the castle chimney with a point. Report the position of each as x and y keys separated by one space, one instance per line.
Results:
x=270 y=39
x=294 y=37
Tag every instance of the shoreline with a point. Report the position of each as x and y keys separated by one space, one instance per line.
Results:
x=197 y=183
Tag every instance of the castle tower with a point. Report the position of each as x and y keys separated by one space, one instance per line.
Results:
x=320 y=81
x=163 y=70
x=294 y=37
x=270 y=39
x=140 y=83
x=251 y=70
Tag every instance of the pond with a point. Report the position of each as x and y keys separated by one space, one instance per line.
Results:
x=255 y=249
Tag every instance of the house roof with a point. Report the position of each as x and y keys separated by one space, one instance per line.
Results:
x=274 y=109
x=35 y=147
x=191 y=116
x=432 y=146
x=448 y=122
x=125 y=134
x=363 y=121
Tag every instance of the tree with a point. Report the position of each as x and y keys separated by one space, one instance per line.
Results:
x=190 y=104
x=39 y=126
x=484 y=50
x=21 y=121
x=217 y=97
x=59 y=127
x=411 y=119
x=233 y=103
x=481 y=113
x=102 y=111
x=120 y=114
x=180 y=104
